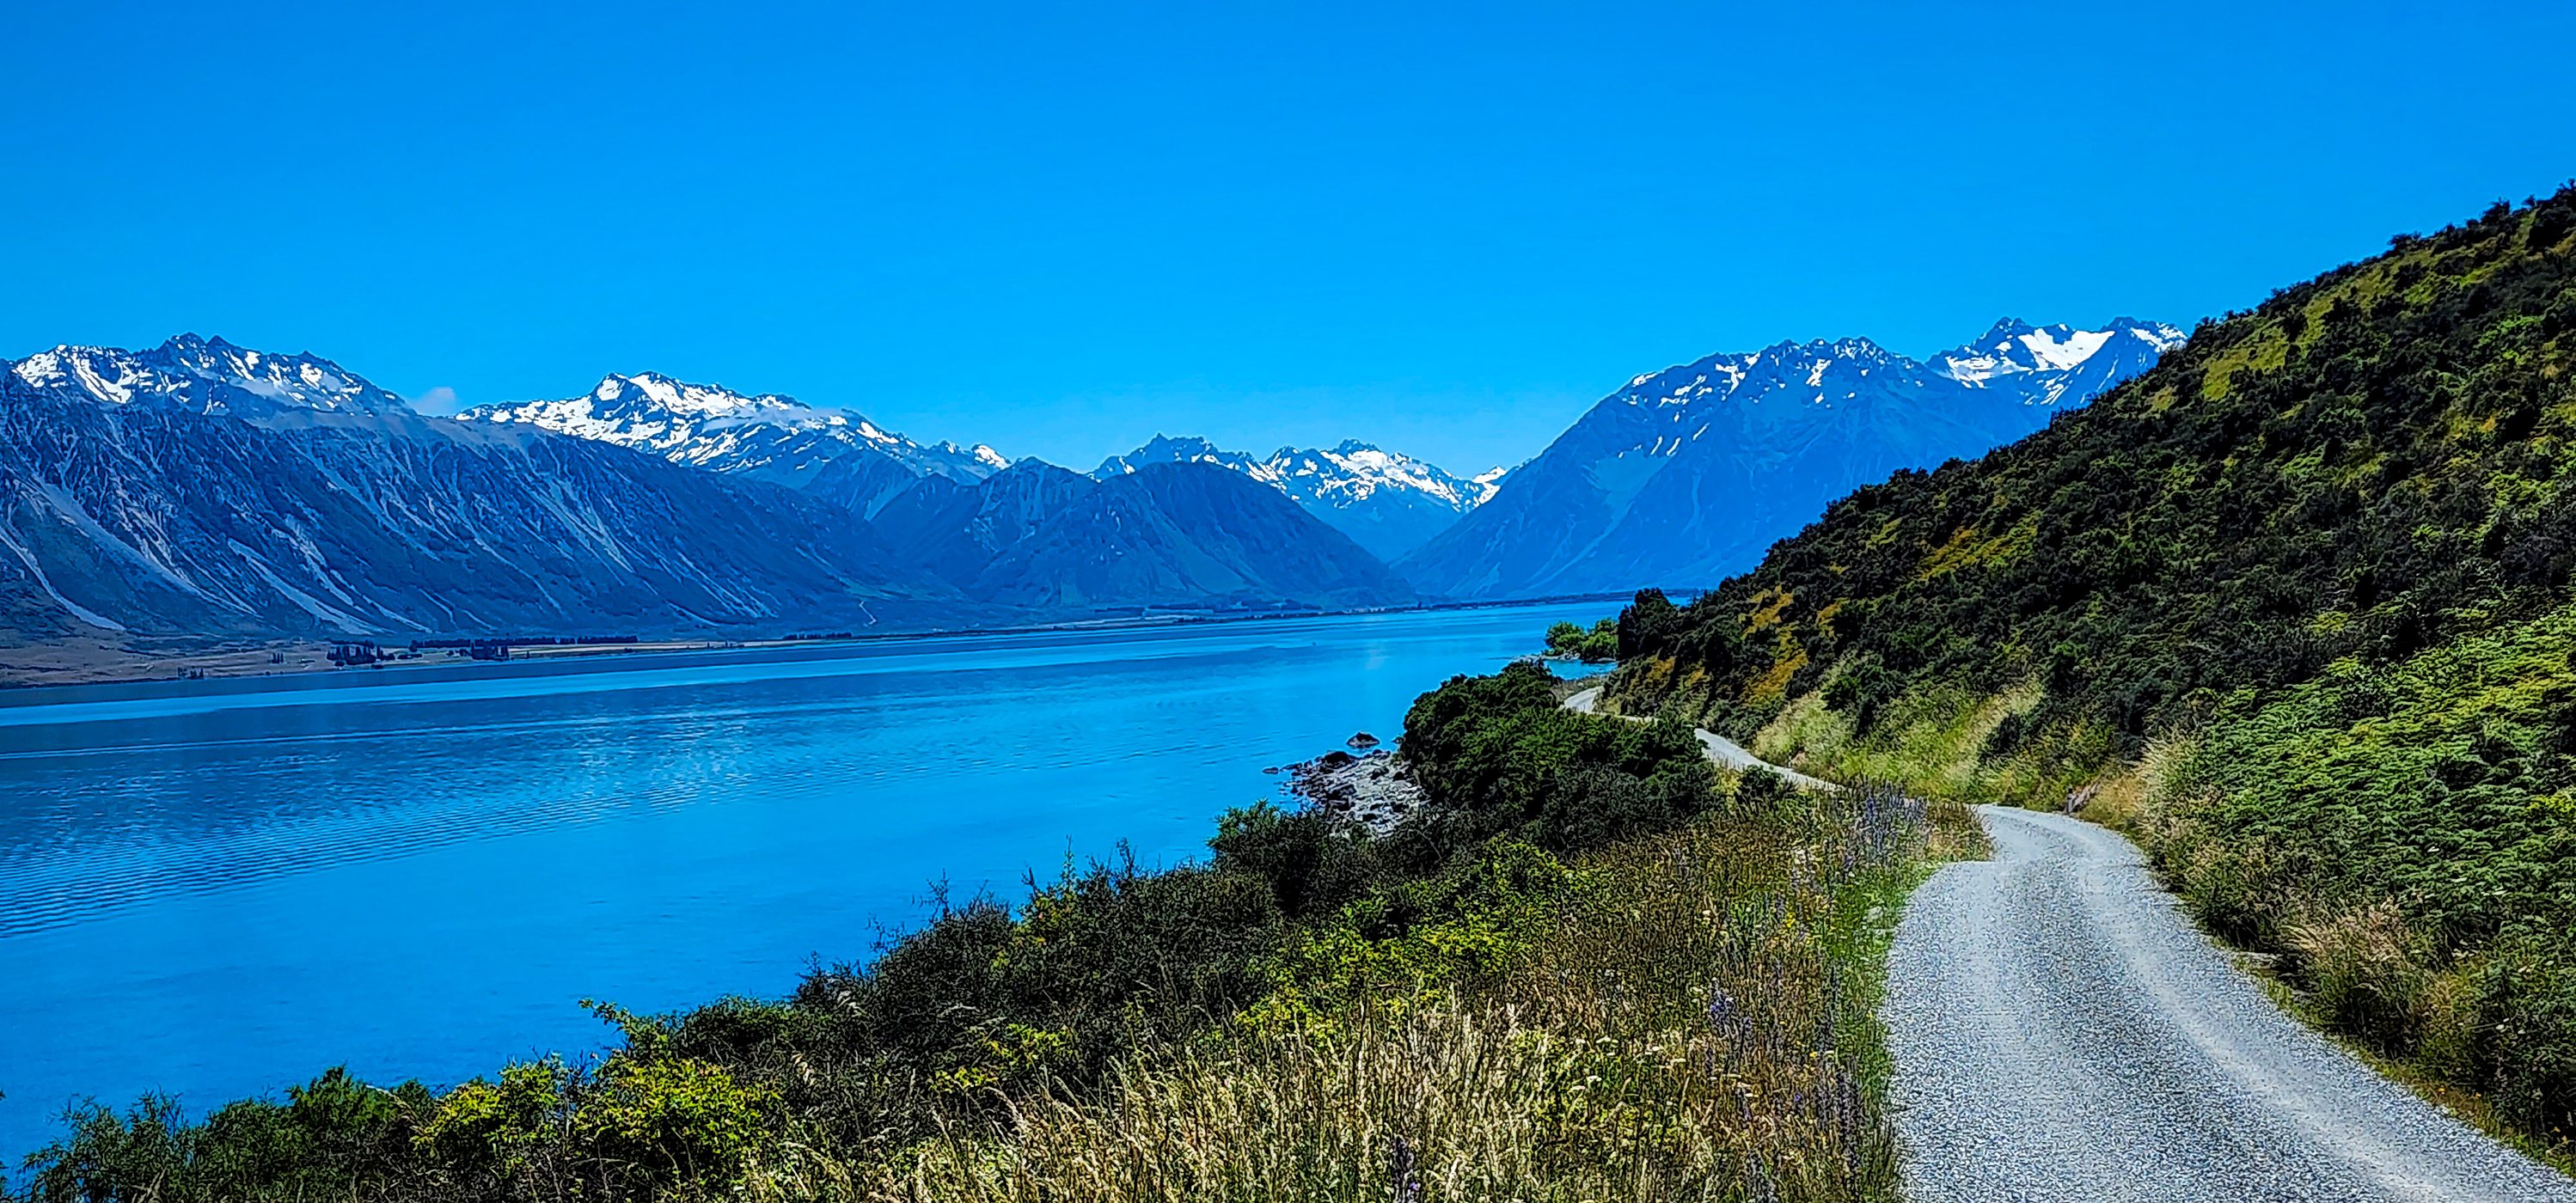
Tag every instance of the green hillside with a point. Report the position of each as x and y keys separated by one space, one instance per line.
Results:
x=2293 y=607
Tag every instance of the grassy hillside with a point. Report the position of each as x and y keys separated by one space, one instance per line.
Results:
x=1592 y=967
x=2293 y=606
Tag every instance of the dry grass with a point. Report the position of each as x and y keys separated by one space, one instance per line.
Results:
x=1698 y=1026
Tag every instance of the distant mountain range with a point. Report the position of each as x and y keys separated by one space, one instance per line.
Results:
x=201 y=489
x=1184 y=534
x=1386 y=501
x=1168 y=535
x=198 y=489
x=1685 y=476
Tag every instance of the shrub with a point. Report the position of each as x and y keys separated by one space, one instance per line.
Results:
x=489 y=1135
x=1647 y=626
x=335 y=1134
x=2530 y=996
x=1592 y=644
x=665 y=1125
x=1497 y=755
x=1313 y=862
x=148 y=1153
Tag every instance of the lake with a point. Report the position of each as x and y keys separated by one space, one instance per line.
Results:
x=220 y=888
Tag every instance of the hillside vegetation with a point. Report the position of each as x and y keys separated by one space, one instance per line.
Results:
x=2293 y=607
x=1592 y=967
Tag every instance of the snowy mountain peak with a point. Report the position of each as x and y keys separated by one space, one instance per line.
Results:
x=1163 y=449
x=208 y=376
x=768 y=436
x=1819 y=371
x=1686 y=475
x=2055 y=357
x=2162 y=337
x=2044 y=363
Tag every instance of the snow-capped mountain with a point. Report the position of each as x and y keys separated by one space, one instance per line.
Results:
x=1686 y=475
x=2058 y=361
x=763 y=436
x=206 y=376
x=1386 y=501
x=201 y=489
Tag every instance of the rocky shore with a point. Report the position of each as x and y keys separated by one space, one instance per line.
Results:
x=1375 y=790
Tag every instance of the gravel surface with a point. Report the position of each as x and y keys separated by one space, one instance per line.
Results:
x=1724 y=751
x=2062 y=1033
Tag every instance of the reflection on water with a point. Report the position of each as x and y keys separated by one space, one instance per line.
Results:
x=219 y=887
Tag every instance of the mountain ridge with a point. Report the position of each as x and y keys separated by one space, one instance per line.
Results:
x=1682 y=476
x=1191 y=534
x=207 y=376
x=1386 y=501
x=175 y=513
x=762 y=436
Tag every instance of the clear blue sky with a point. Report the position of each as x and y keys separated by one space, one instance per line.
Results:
x=1062 y=228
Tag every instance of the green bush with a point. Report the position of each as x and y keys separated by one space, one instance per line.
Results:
x=2530 y=1003
x=659 y=1126
x=1313 y=862
x=1592 y=645
x=1499 y=756
x=488 y=1136
x=334 y=1134
x=148 y=1153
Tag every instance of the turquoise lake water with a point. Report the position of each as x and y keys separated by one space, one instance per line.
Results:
x=220 y=888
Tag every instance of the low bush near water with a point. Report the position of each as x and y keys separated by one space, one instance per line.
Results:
x=1592 y=645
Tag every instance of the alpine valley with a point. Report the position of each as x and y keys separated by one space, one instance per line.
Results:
x=200 y=494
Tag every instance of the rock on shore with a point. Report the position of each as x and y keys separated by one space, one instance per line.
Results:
x=1376 y=790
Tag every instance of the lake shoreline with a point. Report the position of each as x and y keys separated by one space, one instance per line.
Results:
x=419 y=874
x=35 y=668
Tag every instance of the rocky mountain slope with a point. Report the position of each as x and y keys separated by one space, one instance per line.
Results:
x=1386 y=501
x=205 y=376
x=207 y=490
x=954 y=529
x=1175 y=535
x=1686 y=475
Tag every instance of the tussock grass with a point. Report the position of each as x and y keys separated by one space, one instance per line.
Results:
x=1697 y=1024
x=1950 y=742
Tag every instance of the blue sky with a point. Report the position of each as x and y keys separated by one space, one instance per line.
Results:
x=1062 y=228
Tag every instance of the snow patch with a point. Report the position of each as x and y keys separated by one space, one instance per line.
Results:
x=2068 y=353
x=9 y=539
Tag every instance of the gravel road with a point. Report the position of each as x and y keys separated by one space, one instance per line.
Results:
x=1726 y=752
x=2062 y=1033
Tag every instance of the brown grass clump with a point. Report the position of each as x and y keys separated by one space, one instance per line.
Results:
x=1698 y=1025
